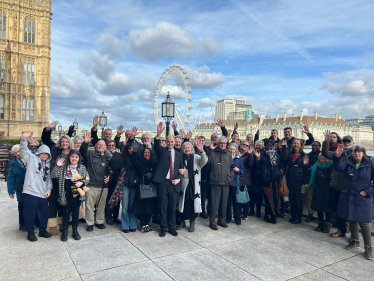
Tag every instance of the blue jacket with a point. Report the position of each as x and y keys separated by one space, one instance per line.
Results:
x=239 y=164
x=16 y=174
x=352 y=205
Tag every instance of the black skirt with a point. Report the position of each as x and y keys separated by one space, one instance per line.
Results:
x=143 y=207
x=188 y=211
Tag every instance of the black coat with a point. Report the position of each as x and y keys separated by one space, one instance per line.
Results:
x=268 y=172
x=117 y=163
x=297 y=172
x=143 y=167
x=322 y=193
x=164 y=163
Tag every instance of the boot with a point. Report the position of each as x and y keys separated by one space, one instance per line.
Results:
x=320 y=226
x=64 y=235
x=76 y=235
x=192 y=226
x=326 y=227
x=293 y=215
x=181 y=225
x=352 y=244
x=252 y=211
x=298 y=217
x=53 y=230
x=368 y=253
x=203 y=214
x=61 y=228
x=258 y=211
x=309 y=218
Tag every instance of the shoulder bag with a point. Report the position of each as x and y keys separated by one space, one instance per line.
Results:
x=147 y=191
x=242 y=197
x=282 y=187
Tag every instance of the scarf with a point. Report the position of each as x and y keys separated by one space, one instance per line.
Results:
x=22 y=162
x=118 y=190
x=314 y=169
x=188 y=164
x=333 y=147
x=272 y=156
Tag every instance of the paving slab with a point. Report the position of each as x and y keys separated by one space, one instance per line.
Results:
x=318 y=275
x=37 y=261
x=153 y=246
x=355 y=268
x=146 y=270
x=261 y=260
x=103 y=252
x=201 y=265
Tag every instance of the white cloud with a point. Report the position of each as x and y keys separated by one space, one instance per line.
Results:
x=167 y=40
x=111 y=45
x=200 y=78
x=96 y=64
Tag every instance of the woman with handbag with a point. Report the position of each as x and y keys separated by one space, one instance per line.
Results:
x=145 y=166
x=238 y=171
x=296 y=175
x=270 y=169
x=190 y=202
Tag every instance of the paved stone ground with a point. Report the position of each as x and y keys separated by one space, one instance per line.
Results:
x=253 y=251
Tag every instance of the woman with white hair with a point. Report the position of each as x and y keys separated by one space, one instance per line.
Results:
x=77 y=140
x=190 y=202
x=15 y=179
x=238 y=170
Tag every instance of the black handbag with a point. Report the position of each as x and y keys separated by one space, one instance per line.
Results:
x=19 y=185
x=147 y=191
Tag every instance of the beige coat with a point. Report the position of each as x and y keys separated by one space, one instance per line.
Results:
x=199 y=161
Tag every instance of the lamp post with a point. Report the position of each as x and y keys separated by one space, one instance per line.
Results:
x=102 y=123
x=75 y=125
x=167 y=112
x=59 y=130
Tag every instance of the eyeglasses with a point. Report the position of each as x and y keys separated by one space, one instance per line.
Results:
x=162 y=140
x=110 y=145
x=245 y=145
x=346 y=141
x=222 y=143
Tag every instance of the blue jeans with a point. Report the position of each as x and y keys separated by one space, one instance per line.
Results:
x=128 y=219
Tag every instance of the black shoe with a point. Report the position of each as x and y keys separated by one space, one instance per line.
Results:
x=251 y=213
x=238 y=222
x=100 y=226
x=109 y=221
x=64 y=235
x=266 y=218
x=273 y=220
x=162 y=233
x=204 y=215
x=282 y=215
x=126 y=230
x=45 y=234
x=117 y=221
x=89 y=227
x=76 y=235
x=309 y=218
x=83 y=220
x=296 y=221
x=173 y=232
x=22 y=228
x=31 y=237
x=258 y=214
x=181 y=224
x=133 y=230
x=292 y=219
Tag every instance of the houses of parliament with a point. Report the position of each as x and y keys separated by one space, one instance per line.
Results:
x=25 y=56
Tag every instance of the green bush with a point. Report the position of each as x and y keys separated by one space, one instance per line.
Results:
x=13 y=141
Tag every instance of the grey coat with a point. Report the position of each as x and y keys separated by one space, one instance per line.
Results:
x=198 y=162
x=221 y=172
x=34 y=183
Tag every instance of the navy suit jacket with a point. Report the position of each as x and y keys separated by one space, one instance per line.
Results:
x=164 y=163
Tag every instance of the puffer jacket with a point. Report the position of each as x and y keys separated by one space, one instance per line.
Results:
x=322 y=193
x=297 y=172
x=34 y=183
x=117 y=163
x=337 y=178
x=16 y=175
x=221 y=162
x=239 y=164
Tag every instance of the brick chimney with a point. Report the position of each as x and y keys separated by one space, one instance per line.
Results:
x=301 y=115
x=315 y=115
x=284 y=117
x=276 y=118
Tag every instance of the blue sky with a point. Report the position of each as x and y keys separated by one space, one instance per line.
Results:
x=281 y=56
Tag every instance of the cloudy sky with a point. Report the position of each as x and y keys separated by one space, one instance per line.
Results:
x=279 y=55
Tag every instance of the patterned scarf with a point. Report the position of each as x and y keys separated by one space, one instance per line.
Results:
x=118 y=190
x=272 y=156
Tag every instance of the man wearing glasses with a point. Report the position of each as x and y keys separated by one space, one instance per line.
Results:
x=221 y=176
x=337 y=178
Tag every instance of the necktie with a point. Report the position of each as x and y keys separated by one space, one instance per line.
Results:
x=171 y=166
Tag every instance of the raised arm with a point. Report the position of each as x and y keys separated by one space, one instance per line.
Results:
x=222 y=126
x=203 y=157
x=309 y=134
x=95 y=122
x=25 y=152
x=325 y=146
x=336 y=164
x=46 y=134
x=157 y=145
x=84 y=147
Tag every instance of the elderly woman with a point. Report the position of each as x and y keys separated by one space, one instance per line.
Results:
x=190 y=203
x=15 y=179
x=356 y=198
x=238 y=171
x=270 y=167
x=322 y=201
x=77 y=140
x=58 y=150
x=296 y=175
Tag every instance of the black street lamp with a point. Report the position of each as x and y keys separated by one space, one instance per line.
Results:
x=102 y=123
x=59 y=130
x=75 y=124
x=167 y=112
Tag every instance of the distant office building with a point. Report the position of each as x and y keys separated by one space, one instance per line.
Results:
x=354 y=121
x=228 y=109
x=369 y=121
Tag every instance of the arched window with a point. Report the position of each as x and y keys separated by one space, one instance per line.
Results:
x=28 y=72
x=2 y=25
x=2 y=107
x=2 y=67
x=29 y=31
x=28 y=109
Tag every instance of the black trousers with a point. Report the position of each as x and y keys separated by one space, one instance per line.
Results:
x=72 y=208
x=144 y=219
x=52 y=200
x=33 y=206
x=168 y=200
x=204 y=190
x=296 y=198
x=235 y=206
x=341 y=223
x=256 y=199
x=20 y=214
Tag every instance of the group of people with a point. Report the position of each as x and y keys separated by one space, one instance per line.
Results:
x=178 y=178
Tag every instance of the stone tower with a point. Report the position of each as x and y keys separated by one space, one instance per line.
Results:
x=25 y=55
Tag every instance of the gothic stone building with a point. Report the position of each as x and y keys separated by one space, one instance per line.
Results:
x=25 y=54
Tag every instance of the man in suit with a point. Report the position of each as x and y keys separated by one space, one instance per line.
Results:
x=168 y=180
